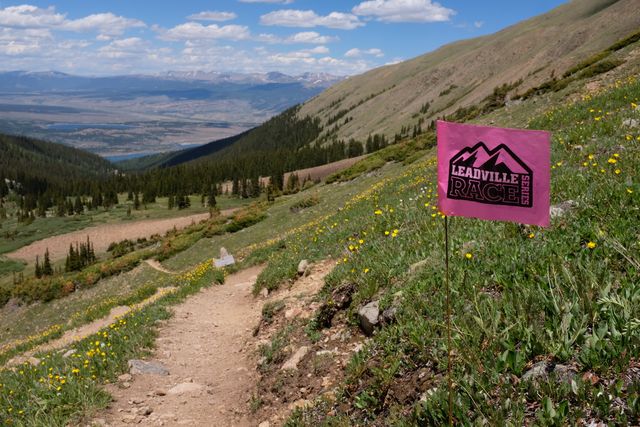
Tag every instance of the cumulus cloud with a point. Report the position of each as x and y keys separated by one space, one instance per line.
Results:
x=309 y=19
x=195 y=30
x=358 y=53
x=404 y=11
x=103 y=23
x=30 y=16
x=122 y=48
x=213 y=16
x=310 y=37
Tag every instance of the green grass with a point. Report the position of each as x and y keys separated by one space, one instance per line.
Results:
x=27 y=324
x=61 y=391
x=279 y=221
x=568 y=294
x=9 y=266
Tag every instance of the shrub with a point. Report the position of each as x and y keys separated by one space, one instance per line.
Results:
x=305 y=203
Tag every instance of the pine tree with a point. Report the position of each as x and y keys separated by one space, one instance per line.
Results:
x=211 y=201
x=171 y=202
x=47 y=270
x=38 y=268
x=136 y=202
x=77 y=206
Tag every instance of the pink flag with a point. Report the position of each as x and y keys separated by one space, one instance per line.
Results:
x=494 y=173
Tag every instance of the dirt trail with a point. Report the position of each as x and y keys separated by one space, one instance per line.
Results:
x=207 y=349
x=102 y=236
x=73 y=335
x=157 y=266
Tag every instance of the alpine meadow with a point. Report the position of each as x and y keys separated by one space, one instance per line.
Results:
x=241 y=217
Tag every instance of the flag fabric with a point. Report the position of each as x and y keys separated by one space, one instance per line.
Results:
x=494 y=173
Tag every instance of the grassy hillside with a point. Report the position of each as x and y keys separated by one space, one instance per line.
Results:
x=464 y=73
x=565 y=297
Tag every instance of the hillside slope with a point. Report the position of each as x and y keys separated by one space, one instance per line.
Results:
x=465 y=72
x=38 y=165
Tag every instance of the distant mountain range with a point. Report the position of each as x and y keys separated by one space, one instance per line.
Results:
x=125 y=116
x=546 y=53
x=53 y=81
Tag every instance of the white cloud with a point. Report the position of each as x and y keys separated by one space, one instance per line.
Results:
x=357 y=53
x=103 y=23
x=213 y=16
x=267 y=1
x=310 y=37
x=404 y=11
x=309 y=19
x=30 y=16
x=194 y=30
x=122 y=48
x=478 y=24
x=318 y=50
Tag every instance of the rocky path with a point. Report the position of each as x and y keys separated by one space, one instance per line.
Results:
x=207 y=352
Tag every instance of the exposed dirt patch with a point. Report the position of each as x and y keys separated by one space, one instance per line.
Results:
x=102 y=236
x=319 y=363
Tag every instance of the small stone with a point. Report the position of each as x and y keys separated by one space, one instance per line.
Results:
x=101 y=422
x=358 y=347
x=264 y=292
x=145 y=411
x=325 y=353
x=223 y=252
x=125 y=378
x=160 y=392
x=632 y=123
x=542 y=370
x=142 y=367
x=185 y=388
x=368 y=317
x=303 y=267
x=561 y=209
x=69 y=353
x=293 y=361
x=130 y=419
x=136 y=401
x=264 y=424
x=125 y=384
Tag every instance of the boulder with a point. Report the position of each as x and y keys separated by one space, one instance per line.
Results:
x=223 y=253
x=632 y=123
x=368 y=317
x=141 y=367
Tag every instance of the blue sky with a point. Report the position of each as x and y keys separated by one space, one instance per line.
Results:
x=99 y=37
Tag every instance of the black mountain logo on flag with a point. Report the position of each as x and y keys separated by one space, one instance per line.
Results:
x=496 y=177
